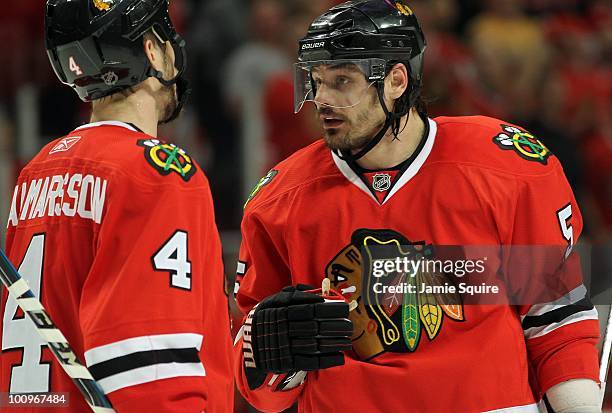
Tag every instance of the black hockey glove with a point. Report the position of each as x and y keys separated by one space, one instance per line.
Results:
x=295 y=330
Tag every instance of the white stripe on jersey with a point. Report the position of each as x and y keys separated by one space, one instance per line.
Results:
x=150 y=373
x=528 y=408
x=572 y=297
x=145 y=343
x=534 y=332
x=107 y=123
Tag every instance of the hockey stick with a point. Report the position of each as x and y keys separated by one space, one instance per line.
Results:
x=605 y=356
x=57 y=343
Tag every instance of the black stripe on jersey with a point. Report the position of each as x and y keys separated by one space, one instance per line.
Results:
x=557 y=315
x=142 y=359
x=135 y=127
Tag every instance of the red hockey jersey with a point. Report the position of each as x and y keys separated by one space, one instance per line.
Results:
x=115 y=231
x=472 y=181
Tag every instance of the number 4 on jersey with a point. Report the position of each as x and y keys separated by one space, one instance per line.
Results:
x=172 y=257
x=19 y=333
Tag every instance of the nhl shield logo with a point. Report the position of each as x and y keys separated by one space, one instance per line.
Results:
x=381 y=182
x=110 y=78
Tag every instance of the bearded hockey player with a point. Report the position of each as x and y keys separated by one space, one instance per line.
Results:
x=386 y=174
x=114 y=229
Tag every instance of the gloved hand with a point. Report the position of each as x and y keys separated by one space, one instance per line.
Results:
x=296 y=330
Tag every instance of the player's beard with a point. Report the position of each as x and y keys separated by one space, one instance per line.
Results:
x=169 y=102
x=168 y=95
x=357 y=130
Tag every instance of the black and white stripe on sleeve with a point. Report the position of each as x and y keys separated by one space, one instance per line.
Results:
x=145 y=359
x=573 y=307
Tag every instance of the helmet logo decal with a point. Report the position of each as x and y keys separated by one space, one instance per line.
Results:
x=405 y=10
x=402 y=8
x=381 y=182
x=103 y=5
x=314 y=45
x=110 y=78
x=523 y=143
x=166 y=158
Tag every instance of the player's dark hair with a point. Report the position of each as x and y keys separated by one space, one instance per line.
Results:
x=402 y=105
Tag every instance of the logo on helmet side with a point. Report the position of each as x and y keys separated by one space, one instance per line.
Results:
x=405 y=10
x=315 y=45
x=402 y=8
x=110 y=78
x=103 y=5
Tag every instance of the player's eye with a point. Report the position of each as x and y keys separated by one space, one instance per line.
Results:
x=342 y=82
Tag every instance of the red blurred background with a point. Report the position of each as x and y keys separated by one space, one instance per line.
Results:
x=543 y=64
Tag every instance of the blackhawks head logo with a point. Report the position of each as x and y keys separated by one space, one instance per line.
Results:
x=392 y=322
x=167 y=158
x=523 y=143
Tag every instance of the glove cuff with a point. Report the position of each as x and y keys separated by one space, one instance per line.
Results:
x=247 y=341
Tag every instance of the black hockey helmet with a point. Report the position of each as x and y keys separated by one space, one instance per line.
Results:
x=375 y=35
x=96 y=46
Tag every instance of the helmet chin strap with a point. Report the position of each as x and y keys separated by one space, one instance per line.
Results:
x=390 y=117
x=183 y=91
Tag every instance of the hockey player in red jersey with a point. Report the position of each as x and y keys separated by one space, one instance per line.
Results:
x=387 y=175
x=114 y=229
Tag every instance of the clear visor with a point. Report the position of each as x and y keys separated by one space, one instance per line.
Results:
x=339 y=84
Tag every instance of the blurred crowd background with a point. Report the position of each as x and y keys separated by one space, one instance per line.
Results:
x=543 y=64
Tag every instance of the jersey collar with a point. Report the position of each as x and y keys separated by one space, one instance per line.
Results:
x=409 y=172
x=109 y=123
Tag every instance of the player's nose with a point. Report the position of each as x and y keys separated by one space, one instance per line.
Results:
x=324 y=97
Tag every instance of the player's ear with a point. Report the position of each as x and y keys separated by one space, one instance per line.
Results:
x=153 y=51
x=396 y=81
